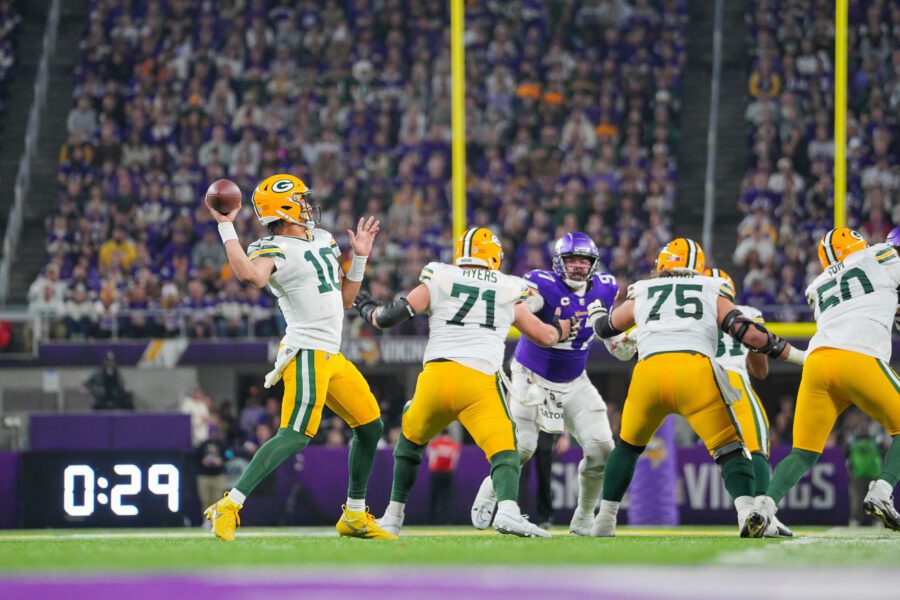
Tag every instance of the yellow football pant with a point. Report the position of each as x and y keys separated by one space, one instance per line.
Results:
x=676 y=382
x=751 y=415
x=834 y=379
x=449 y=391
x=315 y=379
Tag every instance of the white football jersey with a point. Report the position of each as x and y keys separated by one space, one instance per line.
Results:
x=307 y=283
x=855 y=302
x=677 y=314
x=471 y=313
x=732 y=354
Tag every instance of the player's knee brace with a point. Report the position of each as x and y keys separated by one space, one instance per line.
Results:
x=730 y=451
x=595 y=455
x=368 y=434
x=408 y=450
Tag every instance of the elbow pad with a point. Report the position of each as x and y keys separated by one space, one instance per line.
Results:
x=736 y=325
x=393 y=313
x=603 y=328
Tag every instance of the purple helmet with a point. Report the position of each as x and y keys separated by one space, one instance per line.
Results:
x=893 y=237
x=575 y=244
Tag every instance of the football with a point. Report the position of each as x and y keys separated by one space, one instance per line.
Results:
x=224 y=196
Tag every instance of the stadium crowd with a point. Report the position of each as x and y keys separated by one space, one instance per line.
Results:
x=787 y=195
x=572 y=123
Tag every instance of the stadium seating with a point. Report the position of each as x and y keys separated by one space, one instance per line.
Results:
x=572 y=123
x=787 y=194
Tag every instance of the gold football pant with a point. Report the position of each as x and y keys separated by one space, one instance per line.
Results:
x=447 y=392
x=751 y=414
x=832 y=380
x=315 y=379
x=681 y=383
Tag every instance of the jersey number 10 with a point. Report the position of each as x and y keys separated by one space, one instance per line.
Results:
x=327 y=281
x=471 y=296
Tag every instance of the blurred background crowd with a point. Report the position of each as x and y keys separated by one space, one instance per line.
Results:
x=572 y=124
x=787 y=194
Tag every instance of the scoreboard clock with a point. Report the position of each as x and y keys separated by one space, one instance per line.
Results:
x=104 y=489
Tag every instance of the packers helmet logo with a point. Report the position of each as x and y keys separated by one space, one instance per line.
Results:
x=282 y=185
x=856 y=234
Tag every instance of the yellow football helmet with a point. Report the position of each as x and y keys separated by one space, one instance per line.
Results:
x=285 y=197
x=714 y=272
x=478 y=247
x=838 y=244
x=681 y=253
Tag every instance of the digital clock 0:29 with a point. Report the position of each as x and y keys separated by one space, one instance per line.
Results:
x=104 y=489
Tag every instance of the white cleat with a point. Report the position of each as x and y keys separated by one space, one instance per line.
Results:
x=581 y=523
x=391 y=523
x=879 y=503
x=782 y=529
x=604 y=525
x=484 y=505
x=759 y=518
x=510 y=523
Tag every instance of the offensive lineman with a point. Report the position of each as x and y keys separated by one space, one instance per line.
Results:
x=472 y=306
x=550 y=388
x=740 y=363
x=854 y=301
x=299 y=262
x=678 y=315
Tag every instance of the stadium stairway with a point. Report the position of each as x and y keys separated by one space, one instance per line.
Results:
x=31 y=256
x=692 y=152
x=733 y=154
x=30 y=42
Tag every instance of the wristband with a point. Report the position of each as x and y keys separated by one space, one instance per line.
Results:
x=227 y=231
x=357 y=268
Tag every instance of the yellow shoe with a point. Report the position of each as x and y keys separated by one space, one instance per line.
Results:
x=361 y=524
x=224 y=517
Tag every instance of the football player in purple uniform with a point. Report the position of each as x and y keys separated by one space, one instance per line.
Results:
x=550 y=390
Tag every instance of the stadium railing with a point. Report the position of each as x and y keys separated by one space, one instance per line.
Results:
x=23 y=175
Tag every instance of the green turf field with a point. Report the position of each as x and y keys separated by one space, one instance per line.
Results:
x=182 y=549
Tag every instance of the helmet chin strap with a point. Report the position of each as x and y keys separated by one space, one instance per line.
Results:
x=576 y=285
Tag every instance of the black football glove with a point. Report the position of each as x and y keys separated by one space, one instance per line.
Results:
x=365 y=305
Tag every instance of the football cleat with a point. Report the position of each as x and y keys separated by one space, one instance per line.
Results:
x=361 y=524
x=513 y=523
x=581 y=523
x=879 y=503
x=224 y=518
x=391 y=523
x=484 y=505
x=760 y=517
x=781 y=528
x=604 y=525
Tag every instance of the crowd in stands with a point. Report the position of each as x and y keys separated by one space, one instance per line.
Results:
x=572 y=112
x=788 y=192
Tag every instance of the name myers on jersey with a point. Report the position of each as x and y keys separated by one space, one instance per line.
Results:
x=481 y=275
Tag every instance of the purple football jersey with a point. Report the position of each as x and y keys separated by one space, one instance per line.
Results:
x=564 y=362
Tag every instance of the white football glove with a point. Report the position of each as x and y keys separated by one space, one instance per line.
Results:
x=595 y=310
x=621 y=346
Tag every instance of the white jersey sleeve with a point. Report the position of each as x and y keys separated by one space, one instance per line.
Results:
x=855 y=302
x=732 y=354
x=471 y=312
x=677 y=314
